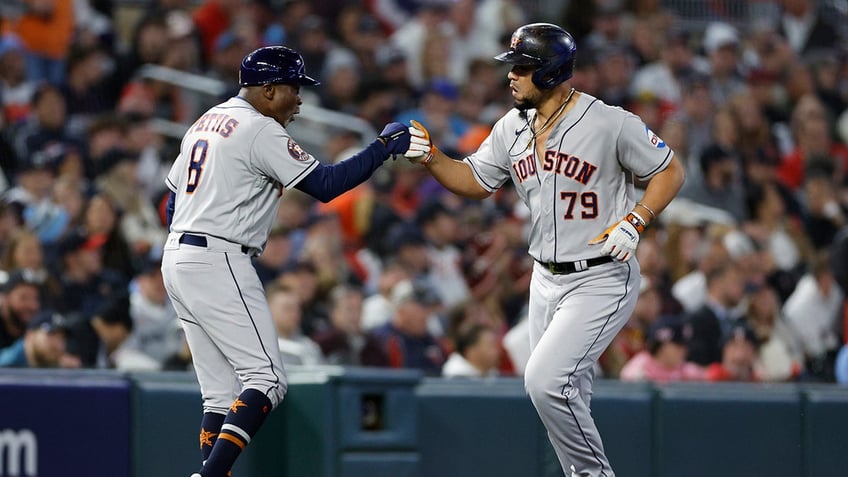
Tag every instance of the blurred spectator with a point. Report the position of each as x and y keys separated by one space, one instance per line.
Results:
x=156 y=331
x=813 y=312
x=664 y=358
x=616 y=66
x=431 y=18
x=408 y=247
x=139 y=222
x=86 y=283
x=230 y=48
x=377 y=308
x=405 y=342
x=69 y=194
x=738 y=357
x=213 y=17
x=342 y=343
x=437 y=106
x=101 y=220
x=20 y=301
x=16 y=88
x=32 y=197
x=663 y=78
x=725 y=290
x=608 y=24
x=696 y=112
x=722 y=50
x=477 y=353
x=276 y=256
x=811 y=130
x=86 y=93
x=42 y=345
x=324 y=251
x=784 y=240
x=804 y=27
x=144 y=141
x=302 y=279
x=47 y=29
x=824 y=214
x=779 y=352
x=720 y=184
x=147 y=45
x=295 y=347
x=440 y=227
x=825 y=67
x=754 y=135
x=46 y=123
x=113 y=326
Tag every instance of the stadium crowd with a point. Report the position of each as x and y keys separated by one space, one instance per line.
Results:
x=743 y=275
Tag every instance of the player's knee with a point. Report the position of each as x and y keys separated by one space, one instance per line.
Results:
x=543 y=384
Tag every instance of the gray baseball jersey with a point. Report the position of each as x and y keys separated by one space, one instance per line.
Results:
x=231 y=171
x=233 y=167
x=583 y=184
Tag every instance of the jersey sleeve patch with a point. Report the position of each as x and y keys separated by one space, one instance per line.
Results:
x=296 y=151
x=654 y=139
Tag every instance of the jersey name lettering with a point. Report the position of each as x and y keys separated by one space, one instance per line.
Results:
x=569 y=166
x=222 y=124
x=524 y=168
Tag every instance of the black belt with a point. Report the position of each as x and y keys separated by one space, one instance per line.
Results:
x=200 y=241
x=564 y=268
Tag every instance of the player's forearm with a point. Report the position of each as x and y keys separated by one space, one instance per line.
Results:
x=329 y=181
x=661 y=189
x=456 y=176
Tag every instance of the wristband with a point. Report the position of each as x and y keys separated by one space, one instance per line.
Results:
x=636 y=221
x=430 y=156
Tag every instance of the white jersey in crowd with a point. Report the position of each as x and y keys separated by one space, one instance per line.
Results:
x=578 y=188
x=231 y=172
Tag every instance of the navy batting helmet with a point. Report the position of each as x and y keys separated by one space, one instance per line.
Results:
x=274 y=65
x=547 y=47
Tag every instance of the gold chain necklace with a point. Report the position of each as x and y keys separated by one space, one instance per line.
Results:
x=550 y=121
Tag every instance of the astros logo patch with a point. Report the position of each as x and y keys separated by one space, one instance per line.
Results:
x=654 y=139
x=296 y=151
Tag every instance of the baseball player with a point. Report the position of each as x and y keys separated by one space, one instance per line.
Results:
x=234 y=164
x=572 y=159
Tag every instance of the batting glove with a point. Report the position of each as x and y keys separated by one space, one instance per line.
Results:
x=621 y=239
x=421 y=148
x=396 y=138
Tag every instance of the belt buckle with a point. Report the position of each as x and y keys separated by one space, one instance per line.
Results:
x=552 y=268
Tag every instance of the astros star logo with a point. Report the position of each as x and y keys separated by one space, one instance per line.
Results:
x=236 y=405
x=206 y=437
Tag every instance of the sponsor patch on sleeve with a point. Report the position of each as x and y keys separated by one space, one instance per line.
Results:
x=296 y=151
x=654 y=139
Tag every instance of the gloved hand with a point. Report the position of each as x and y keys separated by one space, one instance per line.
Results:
x=421 y=148
x=395 y=137
x=621 y=239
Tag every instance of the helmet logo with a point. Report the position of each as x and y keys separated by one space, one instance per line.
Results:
x=513 y=44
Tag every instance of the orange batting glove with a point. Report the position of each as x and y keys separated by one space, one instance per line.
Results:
x=421 y=149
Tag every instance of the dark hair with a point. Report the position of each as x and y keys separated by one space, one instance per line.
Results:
x=469 y=337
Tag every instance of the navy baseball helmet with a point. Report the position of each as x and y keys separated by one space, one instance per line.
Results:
x=274 y=65
x=545 y=46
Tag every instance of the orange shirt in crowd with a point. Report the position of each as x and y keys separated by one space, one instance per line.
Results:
x=48 y=35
